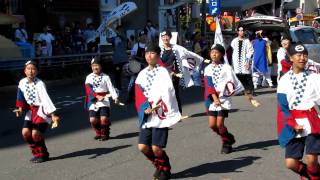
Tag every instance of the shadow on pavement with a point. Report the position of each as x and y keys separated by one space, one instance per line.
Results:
x=216 y=167
x=205 y=114
x=96 y=152
x=126 y=136
x=269 y=91
x=257 y=145
x=74 y=117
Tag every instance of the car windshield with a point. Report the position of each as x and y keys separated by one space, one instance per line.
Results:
x=306 y=36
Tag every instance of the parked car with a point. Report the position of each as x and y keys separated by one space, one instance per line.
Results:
x=308 y=36
x=276 y=26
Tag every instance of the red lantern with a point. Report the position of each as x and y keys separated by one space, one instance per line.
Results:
x=213 y=26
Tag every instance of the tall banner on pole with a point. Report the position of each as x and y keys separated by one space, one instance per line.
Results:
x=218 y=37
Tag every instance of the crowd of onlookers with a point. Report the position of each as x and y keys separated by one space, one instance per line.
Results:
x=74 y=38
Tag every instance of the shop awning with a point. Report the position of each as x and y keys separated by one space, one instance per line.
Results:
x=175 y=5
x=241 y=5
x=6 y=19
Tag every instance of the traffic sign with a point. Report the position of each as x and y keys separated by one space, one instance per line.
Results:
x=214 y=7
x=299 y=17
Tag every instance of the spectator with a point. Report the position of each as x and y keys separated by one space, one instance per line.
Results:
x=67 y=40
x=46 y=37
x=138 y=48
x=120 y=56
x=88 y=34
x=131 y=42
x=196 y=43
x=260 y=61
x=78 y=40
x=21 y=34
x=152 y=32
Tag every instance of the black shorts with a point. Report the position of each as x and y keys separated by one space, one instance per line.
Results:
x=246 y=81
x=102 y=111
x=295 y=148
x=222 y=113
x=154 y=136
x=42 y=127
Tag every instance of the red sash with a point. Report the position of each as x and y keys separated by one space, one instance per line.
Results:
x=34 y=116
x=311 y=115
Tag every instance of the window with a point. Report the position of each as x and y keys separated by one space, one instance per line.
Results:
x=306 y=36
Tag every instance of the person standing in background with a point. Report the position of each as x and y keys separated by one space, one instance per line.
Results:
x=242 y=52
x=21 y=34
x=120 y=56
x=152 y=32
x=47 y=37
x=260 y=62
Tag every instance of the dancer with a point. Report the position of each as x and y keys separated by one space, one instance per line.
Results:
x=157 y=109
x=242 y=63
x=298 y=120
x=33 y=99
x=179 y=62
x=220 y=83
x=98 y=91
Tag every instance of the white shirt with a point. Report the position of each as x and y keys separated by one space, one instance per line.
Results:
x=104 y=85
x=158 y=89
x=48 y=37
x=240 y=64
x=135 y=48
x=310 y=95
x=35 y=93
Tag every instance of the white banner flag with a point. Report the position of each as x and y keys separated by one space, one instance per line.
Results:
x=218 y=38
x=117 y=13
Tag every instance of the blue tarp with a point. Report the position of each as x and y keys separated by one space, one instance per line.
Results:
x=27 y=50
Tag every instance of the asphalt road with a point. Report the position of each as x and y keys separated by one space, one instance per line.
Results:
x=193 y=148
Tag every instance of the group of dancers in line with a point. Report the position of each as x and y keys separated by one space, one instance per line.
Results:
x=158 y=104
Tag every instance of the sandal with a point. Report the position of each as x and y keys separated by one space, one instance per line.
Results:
x=184 y=117
x=255 y=103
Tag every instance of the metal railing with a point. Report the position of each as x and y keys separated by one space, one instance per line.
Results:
x=54 y=61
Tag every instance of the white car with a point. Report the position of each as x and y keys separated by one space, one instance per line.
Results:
x=307 y=36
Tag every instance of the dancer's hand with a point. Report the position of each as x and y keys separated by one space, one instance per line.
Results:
x=18 y=112
x=179 y=75
x=217 y=102
x=55 y=121
x=100 y=98
x=207 y=61
x=148 y=111
x=247 y=66
x=299 y=128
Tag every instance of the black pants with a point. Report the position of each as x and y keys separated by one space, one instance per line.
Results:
x=175 y=81
x=117 y=72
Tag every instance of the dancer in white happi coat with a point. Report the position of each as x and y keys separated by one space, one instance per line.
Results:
x=98 y=91
x=298 y=120
x=220 y=84
x=242 y=56
x=183 y=65
x=157 y=109
x=33 y=99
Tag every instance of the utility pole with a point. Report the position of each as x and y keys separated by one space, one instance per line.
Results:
x=281 y=9
x=274 y=8
x=203 y=17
